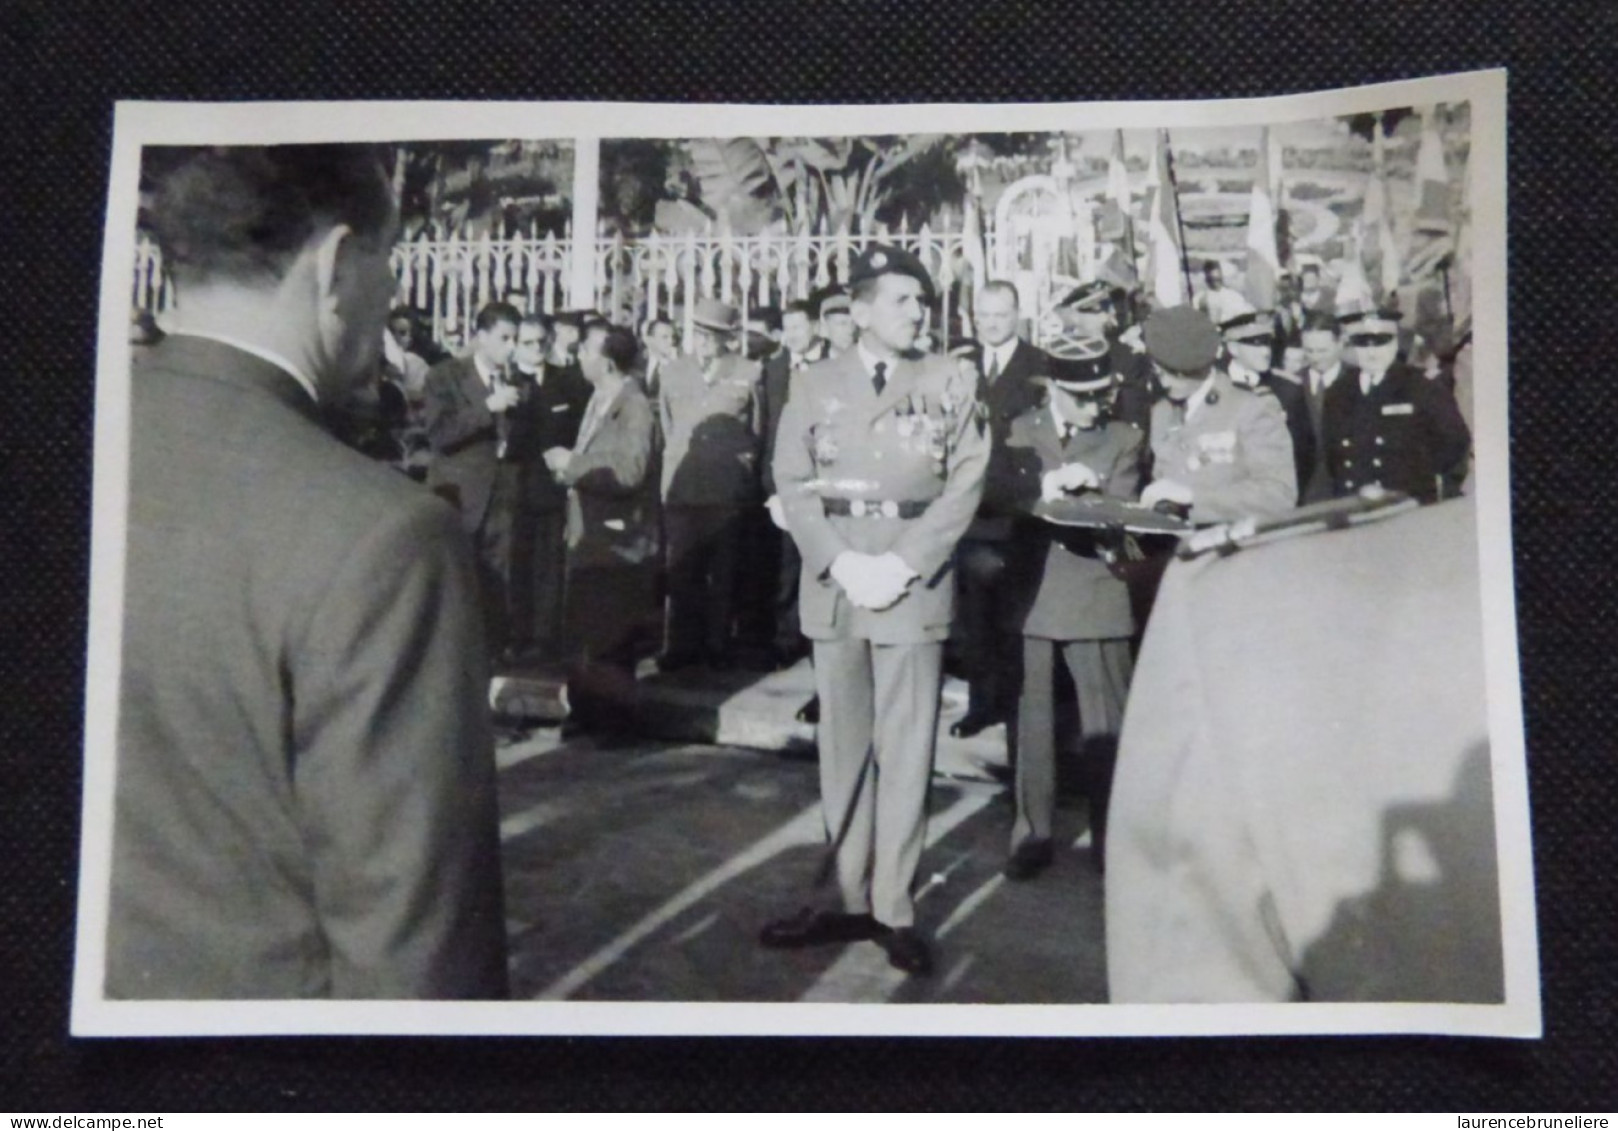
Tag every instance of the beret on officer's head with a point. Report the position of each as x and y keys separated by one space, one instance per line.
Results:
x=1181 y=339
x=884 y=259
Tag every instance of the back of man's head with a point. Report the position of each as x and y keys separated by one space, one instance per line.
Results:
x=241 y=214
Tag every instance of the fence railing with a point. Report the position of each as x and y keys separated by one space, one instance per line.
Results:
x=449 y=279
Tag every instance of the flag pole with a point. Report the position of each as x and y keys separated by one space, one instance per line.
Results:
x=1179 y=220
x=1129 y=213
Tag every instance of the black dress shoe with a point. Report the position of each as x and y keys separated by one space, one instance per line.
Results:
x=810 y=711
x=818 y=928
x=1029 y=859
x=973 y=722
x=907 y=951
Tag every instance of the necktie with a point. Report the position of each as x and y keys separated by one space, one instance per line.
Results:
x=994 y=369
x=879 y=377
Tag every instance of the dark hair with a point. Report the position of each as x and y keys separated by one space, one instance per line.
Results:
x=799 y=306
x=495 y=313
x=1317 y=321
x=619 y=347
x=1000 y=286
x=535 y=320
x=244 y=212
x=1309 y=269
x=1209 y=265
x=399 y=312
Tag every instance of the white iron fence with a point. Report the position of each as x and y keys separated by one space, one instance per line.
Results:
x=449 y=279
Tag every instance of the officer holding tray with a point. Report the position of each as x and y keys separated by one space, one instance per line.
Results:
x=1065 y=599
x=879 y=463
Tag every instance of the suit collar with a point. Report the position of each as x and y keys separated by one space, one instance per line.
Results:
x=219 y=360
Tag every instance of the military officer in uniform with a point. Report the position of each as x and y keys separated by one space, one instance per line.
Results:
x=1393 y=427
x=1304 y=812
x=1064 y=598
x=1219 y=452
x=879 y=463
x=712 y=412
x=1090 y=310
x=1250 y=342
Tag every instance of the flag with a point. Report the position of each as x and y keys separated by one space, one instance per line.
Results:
x=1376 y=225
x=1163 y=230
x=1263 y=258
x=1432 y=180
x=972 y=242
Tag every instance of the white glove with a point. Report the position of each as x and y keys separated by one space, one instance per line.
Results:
x=1070 y=477
x=557 y=459
x=503 y=397
x=1167 y=491
x=778 y=513
x=871 y=581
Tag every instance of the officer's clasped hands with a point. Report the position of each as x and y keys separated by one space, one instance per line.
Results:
x=872 y=581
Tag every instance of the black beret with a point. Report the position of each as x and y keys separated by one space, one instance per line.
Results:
x=1181 y=339
x=884 y=259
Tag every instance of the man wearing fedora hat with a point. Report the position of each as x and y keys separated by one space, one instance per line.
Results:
x=711 y=407
x=1063 y=597
x=879 y=465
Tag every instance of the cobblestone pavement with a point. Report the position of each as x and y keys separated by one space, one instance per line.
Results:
x=644 y=873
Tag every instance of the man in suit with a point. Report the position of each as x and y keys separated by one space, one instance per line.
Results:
x=1323 y=367
x=713 y=420
x=1249 y=341
x=547 y=416
x=1394 y=427
x=1303 y=808
x=610 y=475
x=661 y=346
x=879 y=464
x=1219 y=451
x=471 y=405
x=1007 y=390
x=305 y=784
x=800 y=348
x=837 y=327
x=1064 y=598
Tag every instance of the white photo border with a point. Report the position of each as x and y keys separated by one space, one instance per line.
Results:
x=138 y=124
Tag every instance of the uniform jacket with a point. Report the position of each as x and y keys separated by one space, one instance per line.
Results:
x=1014 y=391
x=1060 y=589
x=463 y=435
x=305 y=798
x=712 y=432
x=548 y=417
x=1294 y=401
x=777 y=383
x=1234 y=453
x=1407 y=435
x=1303 y=807
x=612 y=486
x=921 y=440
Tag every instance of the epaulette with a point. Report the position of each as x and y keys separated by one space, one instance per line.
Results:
x=1371 y=504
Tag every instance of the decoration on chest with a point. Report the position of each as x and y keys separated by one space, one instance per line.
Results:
x=1212 y=448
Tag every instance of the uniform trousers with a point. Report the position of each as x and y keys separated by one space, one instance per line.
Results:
x=789 y=641
x=990 y=656
x=878 y=701
x=1101 y=670
x=702 y=548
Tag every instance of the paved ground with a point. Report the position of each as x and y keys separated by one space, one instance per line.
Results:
x=644 y=873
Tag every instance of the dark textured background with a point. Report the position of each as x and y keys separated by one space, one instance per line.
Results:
x=63 y=64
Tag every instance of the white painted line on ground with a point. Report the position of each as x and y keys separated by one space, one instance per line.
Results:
x=517 y=753
x=861 y=973
x=970 y=904
x=531 y=818
x=806 y=828
x=690 y=933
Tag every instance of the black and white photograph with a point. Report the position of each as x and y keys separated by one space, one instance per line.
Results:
x=650 y=569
